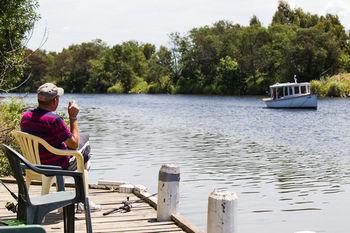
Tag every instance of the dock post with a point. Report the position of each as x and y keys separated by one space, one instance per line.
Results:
x=222 y=212
x=168 y=191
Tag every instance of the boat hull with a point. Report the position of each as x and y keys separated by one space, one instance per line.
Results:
x=303 y=101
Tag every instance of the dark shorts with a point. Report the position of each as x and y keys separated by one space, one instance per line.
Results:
x=84 y=148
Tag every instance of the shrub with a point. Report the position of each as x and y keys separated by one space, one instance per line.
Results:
x=319 y=87
x=336 y=89
x=335 y=86
x=164 y=85
x=118 y=88
x=10 y=115
x=141 y=87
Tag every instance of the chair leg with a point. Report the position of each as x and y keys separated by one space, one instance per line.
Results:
x=70 y=219
x=28 y=182
x=65 y=222
x=47 y=182
x=87 y=216
x=21 y=210
x=30 y=216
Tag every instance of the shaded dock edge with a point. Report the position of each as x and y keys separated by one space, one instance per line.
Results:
x=177 y=218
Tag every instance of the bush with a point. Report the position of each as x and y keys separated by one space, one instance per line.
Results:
x=336 y=89
x=141 y=87
x=319 y=87
x=118 y=88
x=335 y=86
x=164 y=86
x=10 y=115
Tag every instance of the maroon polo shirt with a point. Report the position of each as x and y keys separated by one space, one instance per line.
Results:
x=50 y=127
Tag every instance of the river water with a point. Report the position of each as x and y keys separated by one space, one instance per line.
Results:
x=289 y=168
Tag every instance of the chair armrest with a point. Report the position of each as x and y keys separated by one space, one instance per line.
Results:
x=48 y=167
x=42 y=169
x=59 y=178
x=20 y=162
x=78 y=156
x=59 y=173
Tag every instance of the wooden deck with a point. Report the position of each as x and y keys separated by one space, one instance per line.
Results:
x=141 y=218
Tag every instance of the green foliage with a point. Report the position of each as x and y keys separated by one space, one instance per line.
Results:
x=164 y=86
x=335 y=86
x=17 y=17
x=227 y=78
x=140 y=87
x=336 y=89
x=223 y=58
x=10 y=114
x=345 y=62
x=118 y=88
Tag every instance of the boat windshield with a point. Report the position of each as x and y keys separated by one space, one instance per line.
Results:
x=290 y=90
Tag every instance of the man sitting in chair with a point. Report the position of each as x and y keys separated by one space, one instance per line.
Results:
x=44 y=123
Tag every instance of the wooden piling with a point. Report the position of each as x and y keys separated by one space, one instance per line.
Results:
x=222 y=209
x=168 y=191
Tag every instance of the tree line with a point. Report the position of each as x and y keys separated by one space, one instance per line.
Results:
x=223 y=59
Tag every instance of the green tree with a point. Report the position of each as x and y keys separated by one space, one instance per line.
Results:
x=227 y=80
x=37 y=64
x=313 y=52
x=71 y=68
x=252 y=57
x=17 y=17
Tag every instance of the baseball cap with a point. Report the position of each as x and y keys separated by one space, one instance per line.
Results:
x=48 y=91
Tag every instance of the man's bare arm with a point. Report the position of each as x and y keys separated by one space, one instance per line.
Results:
x=73 y=110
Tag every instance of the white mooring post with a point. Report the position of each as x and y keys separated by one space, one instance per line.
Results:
x=168 y=191
x=222 y=212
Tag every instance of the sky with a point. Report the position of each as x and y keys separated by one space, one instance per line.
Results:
x=68 y=22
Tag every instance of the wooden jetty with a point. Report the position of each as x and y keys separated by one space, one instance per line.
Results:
x=141 y=219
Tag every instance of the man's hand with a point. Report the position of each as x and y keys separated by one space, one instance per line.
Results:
x=73 y=109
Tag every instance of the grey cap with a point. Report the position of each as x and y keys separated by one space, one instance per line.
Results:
x=48 y=91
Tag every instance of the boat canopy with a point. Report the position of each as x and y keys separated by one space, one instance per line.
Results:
x=281 y=90
x=289 y=84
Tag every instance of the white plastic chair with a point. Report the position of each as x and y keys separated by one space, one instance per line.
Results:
x=29 y=145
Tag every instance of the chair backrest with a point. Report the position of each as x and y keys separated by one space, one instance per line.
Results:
x=29 y=145
x=30 y=148
x=15 y=160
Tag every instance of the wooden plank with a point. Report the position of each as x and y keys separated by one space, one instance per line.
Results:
x=186 y=225
x=141 y=218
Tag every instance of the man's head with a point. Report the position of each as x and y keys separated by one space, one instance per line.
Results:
x=48 y=96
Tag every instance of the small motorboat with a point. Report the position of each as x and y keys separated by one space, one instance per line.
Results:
x=291 y=95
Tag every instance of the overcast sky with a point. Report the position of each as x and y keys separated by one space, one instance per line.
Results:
x=76 y=21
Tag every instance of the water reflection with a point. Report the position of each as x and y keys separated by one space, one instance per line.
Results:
x=290 y=169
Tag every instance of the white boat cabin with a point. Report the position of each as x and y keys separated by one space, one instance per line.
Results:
x=286 y=90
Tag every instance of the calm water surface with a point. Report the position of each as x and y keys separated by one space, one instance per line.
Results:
x=289 y=168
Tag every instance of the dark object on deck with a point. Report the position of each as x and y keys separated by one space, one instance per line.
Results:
x=126 y=207
x=34 y=209
x=10 y=206
x=22 y=229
